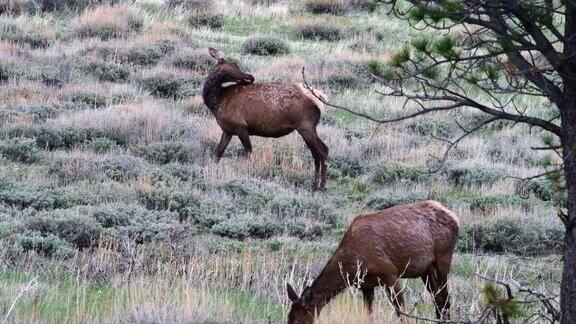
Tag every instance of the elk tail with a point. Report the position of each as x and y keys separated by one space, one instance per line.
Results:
x=317 y=96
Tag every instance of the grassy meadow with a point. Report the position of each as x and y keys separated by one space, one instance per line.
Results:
x=112 y=211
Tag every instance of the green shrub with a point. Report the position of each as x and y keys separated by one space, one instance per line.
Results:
x=79 y=230
x=167 y=84
x=540 y=188
x=56 y=75
x=338 y=7
x=399 y=173
x=43 y=197
x=317 y=30
x=85 y=96
x=75 y=5
x=489 y=202
x=18 y=7
x=286 y=208
x=123 y=167
x=178 y=172
x=143 y=55
x=106 y=71
x=50 y=137
x=198 y=62
x=244 y=228
x=4 y=72
x=344 y=167
x=206 y=19
x=166 y=152
x=471 y=176
x=316 y=7
x=265 y=46
x=391 y=199
x=47 y=245
x=34 y=35
x=187 y=205
x=196 y=5
x=20 y=150
x=509 y=236
x=101 y=145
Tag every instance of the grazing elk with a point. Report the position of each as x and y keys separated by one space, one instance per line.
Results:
x=405 y=241
x=264 y=109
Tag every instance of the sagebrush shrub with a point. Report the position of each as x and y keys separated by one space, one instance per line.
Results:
x=169 y=84
x=206 y=19
x=18 y=7
x=338 y=7
x=48 y=245
x=196 y=5
x=345 y=167
x=106 y=71
x=399 y=173
x=33 y=32
x=540 y=188
x=510 y=236
x=265 y=46
x=318 y=30
x=166 y=152
x=487 y=203
x=79 y=230
x=85 y=94
x=142 y=54
x=20 y=150
x=56 y=75
x=101 y=145
x=240 y=229
x=195 y=61
x=122 y=167
x=471 y=176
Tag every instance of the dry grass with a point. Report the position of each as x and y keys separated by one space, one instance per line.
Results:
x=107 y=21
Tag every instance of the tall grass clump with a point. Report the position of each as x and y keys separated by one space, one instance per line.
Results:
x=108 y=21
x=265 y=46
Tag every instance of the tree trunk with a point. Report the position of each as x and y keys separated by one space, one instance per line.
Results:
x=568 y=289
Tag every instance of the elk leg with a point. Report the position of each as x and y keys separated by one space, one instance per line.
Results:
x=224 y=141
x=245 y=139
x=432 y=286
x=317 y=148
x=442 y=271
x=368 y=294
x=324 y=157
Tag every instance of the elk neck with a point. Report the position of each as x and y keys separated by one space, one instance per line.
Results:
x=329 y=283
x=213 y=92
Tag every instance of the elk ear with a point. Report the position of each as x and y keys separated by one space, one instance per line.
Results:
x=291 y=293
x=214 y=53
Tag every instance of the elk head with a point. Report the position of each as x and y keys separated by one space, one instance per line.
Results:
x=227 y=71
x=301 y=312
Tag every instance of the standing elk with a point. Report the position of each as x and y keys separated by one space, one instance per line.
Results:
x=405 y=241
x=264 y=109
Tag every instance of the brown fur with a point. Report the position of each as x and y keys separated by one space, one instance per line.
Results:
x=263 y=109
x=406 y=241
